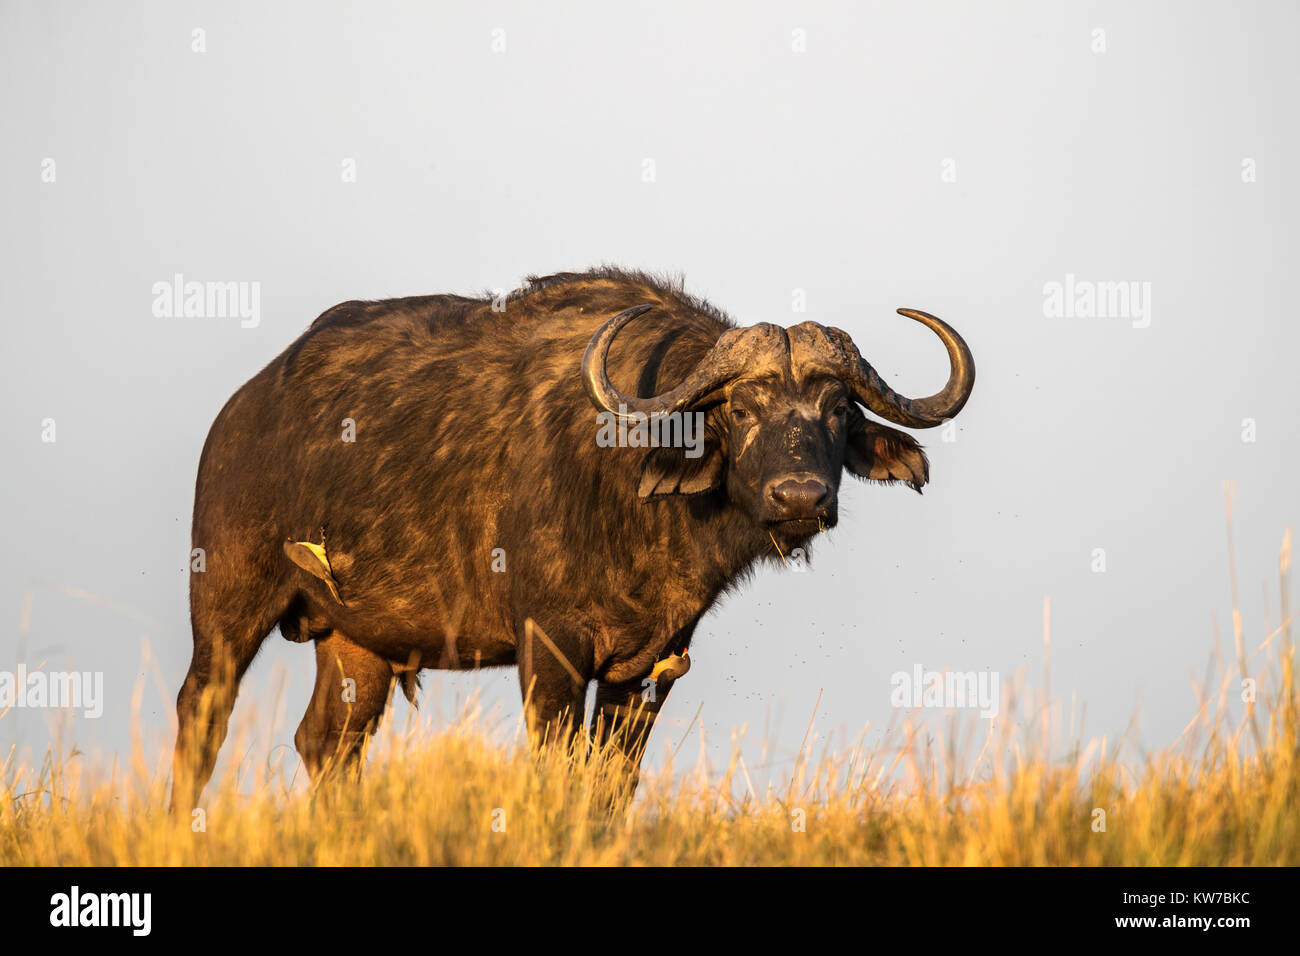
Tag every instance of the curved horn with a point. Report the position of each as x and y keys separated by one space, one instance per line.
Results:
x=871 y=390
x=714 y=369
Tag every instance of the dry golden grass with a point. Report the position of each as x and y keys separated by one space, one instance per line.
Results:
x=1228 y=793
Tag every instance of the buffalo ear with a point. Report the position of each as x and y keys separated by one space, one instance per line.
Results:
x=881 y=453
x=667 y=471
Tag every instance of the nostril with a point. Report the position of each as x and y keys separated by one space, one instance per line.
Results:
x=799 y=495
x=816 y=492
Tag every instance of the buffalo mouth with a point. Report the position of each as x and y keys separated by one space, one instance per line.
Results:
x=802 y=527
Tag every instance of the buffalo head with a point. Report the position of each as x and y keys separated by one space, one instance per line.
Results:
x=783 y=419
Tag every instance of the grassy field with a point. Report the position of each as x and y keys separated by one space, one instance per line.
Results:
x=1227 y=793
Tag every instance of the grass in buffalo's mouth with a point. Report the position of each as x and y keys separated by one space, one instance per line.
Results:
x=1227 y=793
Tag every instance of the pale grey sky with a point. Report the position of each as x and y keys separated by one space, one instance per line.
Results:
x=950 y=157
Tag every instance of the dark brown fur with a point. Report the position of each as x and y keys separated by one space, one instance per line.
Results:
x=473 y=433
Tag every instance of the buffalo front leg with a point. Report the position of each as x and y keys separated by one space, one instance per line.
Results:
x=553 y=676
x=624 y=715
x=352 y=690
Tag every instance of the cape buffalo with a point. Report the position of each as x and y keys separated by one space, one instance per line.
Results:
x=420 y=483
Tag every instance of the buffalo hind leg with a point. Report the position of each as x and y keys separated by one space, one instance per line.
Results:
x=352 y=690
x=203 y=708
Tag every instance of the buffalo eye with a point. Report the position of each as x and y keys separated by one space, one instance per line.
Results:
x=841 y=409
x=739 y=415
